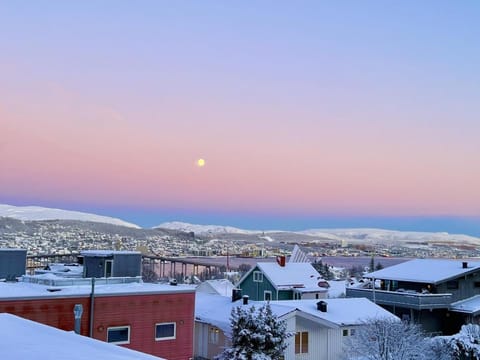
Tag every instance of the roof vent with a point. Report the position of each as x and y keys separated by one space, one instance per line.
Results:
x=281 y=260
x=465 y=265
x=245 y=299
x=322 y=306
x=54 y=289
x=173 y=282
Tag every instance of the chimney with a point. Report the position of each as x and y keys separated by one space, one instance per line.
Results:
x=322 y=306
x=465 y=265
x=281 y=260
x=173 y=282
x=236 y=294
x=245 y=299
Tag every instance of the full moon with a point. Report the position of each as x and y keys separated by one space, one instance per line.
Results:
x=200 y=162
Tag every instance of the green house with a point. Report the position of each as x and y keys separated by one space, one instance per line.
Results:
x=283 y=281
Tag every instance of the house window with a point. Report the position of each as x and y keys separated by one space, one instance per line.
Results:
x=476 y=284
x=108 y=268
x=452 y=284
x=165 y=331
x=267 y=295
x=213 y=335
x=352 y=332
x=118 y=335
x=345 y=332
x=257 y=276
x=301 y=342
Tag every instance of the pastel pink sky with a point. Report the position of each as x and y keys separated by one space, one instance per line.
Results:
x=337 y=112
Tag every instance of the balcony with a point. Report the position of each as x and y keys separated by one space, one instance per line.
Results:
x=405 y=299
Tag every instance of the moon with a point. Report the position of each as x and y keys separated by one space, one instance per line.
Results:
x=201 y=162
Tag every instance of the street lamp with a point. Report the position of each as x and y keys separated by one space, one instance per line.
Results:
x=77 y=312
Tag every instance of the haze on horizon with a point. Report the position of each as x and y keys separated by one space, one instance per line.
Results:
x=323 y=113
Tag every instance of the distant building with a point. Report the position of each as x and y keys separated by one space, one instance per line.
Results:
x=441 y=295
x=157 y=319
x=282 y=281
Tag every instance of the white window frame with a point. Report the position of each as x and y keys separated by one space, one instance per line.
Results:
x=257 y=276
x=301 y=349
x=169 y=337
x=265 y=295
x=117 y=328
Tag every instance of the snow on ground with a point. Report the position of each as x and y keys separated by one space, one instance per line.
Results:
x=336 y=289
x=42 y=213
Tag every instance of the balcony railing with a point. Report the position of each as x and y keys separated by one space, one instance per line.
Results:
x=406 y=299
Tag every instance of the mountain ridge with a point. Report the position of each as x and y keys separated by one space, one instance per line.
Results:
x=33 y=213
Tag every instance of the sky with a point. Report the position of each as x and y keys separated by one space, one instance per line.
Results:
x=306 y=113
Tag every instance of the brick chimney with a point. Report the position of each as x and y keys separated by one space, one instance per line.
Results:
x=281 y=259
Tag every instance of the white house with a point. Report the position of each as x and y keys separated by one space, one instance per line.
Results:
x=320 y=327
x=221 y=287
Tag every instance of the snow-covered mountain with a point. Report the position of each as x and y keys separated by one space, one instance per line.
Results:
x=203 y=229
x=354 y=235
x=42 y=213
x=380 y=235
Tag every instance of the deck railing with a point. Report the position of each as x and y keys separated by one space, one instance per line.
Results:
x=406 y=299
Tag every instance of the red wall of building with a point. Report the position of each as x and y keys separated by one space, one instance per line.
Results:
x=141 y=312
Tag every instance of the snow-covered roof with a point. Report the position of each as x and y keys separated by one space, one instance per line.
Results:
x=22 y=290
x=470 y=305
x=215 y=310
x=222 y=287
x=425 y=270
x=108 y=252
x=340 y=312
x=298 y=256
x=290 y=275
x=26 y=339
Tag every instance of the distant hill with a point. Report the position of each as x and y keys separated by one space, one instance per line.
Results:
x=36 y=213
x=349 y=235
x=203 y=229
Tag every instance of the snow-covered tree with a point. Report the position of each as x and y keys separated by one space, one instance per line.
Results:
x=257 y=334
x=464 y=345
x=387 y=339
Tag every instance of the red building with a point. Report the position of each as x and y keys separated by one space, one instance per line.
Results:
x=157 y=319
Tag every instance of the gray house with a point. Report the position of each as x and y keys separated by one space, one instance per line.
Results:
x=108 y=263
x=441 y=295
x=13 y=263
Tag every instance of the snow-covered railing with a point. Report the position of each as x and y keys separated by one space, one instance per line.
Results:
x=413 y=300
x=53 y=280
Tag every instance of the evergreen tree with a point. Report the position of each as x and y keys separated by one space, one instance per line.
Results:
x=256 y=335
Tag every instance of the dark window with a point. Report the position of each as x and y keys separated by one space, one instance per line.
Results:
x=452 y=284
x=165 y=331
x=257 y=276
x=267 y=295
x=345 y=332
x=476 y=284
x=108 y=268
x=118 y=335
